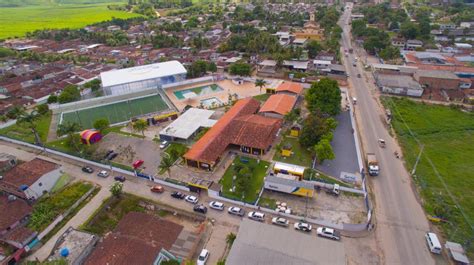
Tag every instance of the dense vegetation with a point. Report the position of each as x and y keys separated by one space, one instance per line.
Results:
x=376 y=39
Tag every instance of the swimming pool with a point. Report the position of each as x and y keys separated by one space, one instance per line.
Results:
x=211 y=102
x=197 y=91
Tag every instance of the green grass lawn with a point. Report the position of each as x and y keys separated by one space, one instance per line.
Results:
x=262 y=97
x=62 y=181
x=255 y=186
x=17 y=21
x=448 y=138
x=48 y=207
x=300 y=155
x=116 y=112
x=104 y=221
x=23 y=133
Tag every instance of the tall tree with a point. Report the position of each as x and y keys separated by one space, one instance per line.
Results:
x=239 y=68
x=166 y=164
x=70 y=128
x=323 y=151
x=116 y=188
x=101 y=124
x=30 y=119
x=324 y=96
x=314 y=127
x=260 y=83
x=313 y=47
x=140 y=126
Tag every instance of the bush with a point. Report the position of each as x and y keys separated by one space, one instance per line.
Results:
x=52 y=99
x=101 y=124
x=69 y=94
x=42 y=109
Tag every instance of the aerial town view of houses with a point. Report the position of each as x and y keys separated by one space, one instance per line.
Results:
x=236 y=132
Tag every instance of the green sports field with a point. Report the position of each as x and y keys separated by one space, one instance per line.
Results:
x=17 y=21
x=116 y=112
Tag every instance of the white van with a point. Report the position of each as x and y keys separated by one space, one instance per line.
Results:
x=433 y=243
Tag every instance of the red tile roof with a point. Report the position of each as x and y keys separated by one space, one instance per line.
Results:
x=279 y=103
x=238 y=126
x=12 y=212
x=137 y=239
x=20 y=234
x=290 y=87
x=28 y=172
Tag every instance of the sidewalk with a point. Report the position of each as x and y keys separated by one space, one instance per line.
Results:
x=77 y=220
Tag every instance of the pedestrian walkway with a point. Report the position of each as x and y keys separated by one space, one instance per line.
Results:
x=44 y=251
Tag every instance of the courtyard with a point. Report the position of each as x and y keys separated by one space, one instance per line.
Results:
x=209 y=94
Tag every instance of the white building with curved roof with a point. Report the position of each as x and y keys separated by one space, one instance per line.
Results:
x=144 y=77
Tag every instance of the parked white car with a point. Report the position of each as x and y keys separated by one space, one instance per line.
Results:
x=192 y=199
x=103 y=173
x=164 y=144
x=433 y=243
x=257 y=216
x=328 y=233
x=280 y=221
x=216 y=205
x=203 y=257
x=305 y=227
x=236 y=211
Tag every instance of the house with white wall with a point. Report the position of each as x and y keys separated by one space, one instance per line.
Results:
x=30 y=180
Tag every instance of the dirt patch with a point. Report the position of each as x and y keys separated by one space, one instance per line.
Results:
x=341 y=209
x=131 y=149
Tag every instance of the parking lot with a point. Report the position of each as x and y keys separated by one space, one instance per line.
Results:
x=344 y=148
x=345 y=208
x=131 y=149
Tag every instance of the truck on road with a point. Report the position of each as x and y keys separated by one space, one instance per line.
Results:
x=372 y=164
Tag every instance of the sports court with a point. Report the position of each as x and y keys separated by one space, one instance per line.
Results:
x=116 y=112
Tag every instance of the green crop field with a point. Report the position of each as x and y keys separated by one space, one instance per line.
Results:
x=445 y=172
x=116 y=112
x=17 y=21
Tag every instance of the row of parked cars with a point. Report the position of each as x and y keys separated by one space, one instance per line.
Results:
x=102 y=173
x=257 y=216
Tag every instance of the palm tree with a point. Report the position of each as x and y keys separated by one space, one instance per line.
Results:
x=15 y=112
x=29 y=119
x=166 y=164
x=260 y=83
x=140 y=126
x=70 y=128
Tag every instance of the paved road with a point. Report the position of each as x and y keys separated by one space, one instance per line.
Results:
x=141 y=187
x=400 y=220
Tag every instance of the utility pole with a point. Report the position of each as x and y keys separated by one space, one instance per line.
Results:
x=417 y=160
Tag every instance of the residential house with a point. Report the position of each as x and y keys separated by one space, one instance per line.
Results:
x=140 y=238
x=403 y=85
x=437 y=79
x=30 y=180
x=7 y=162
x=412 y=45
x=290 y=88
